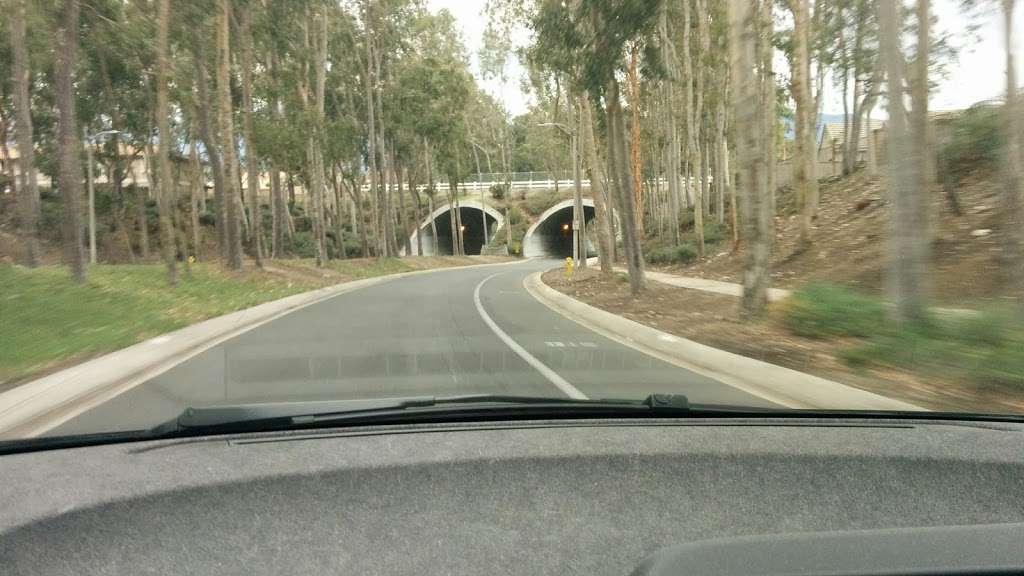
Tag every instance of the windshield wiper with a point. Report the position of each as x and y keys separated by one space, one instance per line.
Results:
x=279 y=415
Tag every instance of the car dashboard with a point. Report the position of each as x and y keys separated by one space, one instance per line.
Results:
x=589 y=497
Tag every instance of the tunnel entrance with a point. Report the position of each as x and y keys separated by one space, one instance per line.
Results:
x=473 y=218
x=551 y=235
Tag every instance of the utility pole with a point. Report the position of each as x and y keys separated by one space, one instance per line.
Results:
x=89 y=141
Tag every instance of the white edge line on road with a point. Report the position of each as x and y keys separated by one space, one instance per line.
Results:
x=559 y=382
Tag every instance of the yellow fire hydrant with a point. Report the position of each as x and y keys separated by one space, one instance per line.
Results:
x=568 y=267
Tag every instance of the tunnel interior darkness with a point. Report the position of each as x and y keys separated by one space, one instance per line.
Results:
x=553 y=235
x=472 y=235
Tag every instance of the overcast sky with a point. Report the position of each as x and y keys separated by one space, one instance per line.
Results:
x=977 y=75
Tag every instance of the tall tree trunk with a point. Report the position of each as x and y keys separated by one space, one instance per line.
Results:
x=320 y=80
x=746 y=29
x=208 y=134
x=371 y=128
x=69 y=146
x=402 y=225
x=233 y=200
x=418 y=216
x=433 y=223
x=766 y=52
x=852 y=154
x=801 y=88
x=196 y=188
x=672 y=173
x=721 y=158
x=633 y=79
x=620 y=174
x=141 y=217
x=1012 y=223
x=165 y=189
x=339 y=225
x=908 y=242
x=602 y=211
x=693 y=115
x=862 y=108
x=5 y=154
x=28 y=193
x=251 y=161
x=279 y=210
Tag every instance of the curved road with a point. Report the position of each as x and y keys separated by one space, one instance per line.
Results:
x=455 y=331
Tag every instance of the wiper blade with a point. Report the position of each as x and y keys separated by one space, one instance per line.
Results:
x=288 y=414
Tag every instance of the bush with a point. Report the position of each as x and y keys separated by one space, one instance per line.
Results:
x=303 y=223
x=515 y=215
x=497 y=191
x=821 y=309
x=986 y=348
x=714 y=232
x=976 y=139
x=682 y=254
x=300 y=245
x=207 y=219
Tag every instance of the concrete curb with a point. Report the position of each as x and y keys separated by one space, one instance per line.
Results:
x=773 y=383
x=40 y=405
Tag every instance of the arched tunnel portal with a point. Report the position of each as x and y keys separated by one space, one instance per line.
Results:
x=551 y=235
x=473 y=216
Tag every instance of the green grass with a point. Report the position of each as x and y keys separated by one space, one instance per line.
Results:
x=368 y=267
x=822 y=310
x=46 y=318
x=985 y=348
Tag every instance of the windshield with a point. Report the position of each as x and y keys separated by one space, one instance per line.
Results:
x=795 y=205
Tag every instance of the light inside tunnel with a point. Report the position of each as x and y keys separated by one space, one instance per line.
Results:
x=472 y=231
x=552 y=236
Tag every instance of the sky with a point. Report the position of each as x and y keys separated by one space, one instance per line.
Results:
x=976 y=75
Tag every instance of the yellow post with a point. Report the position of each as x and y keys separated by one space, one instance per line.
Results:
x=568 y=267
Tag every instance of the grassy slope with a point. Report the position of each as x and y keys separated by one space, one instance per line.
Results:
x=48 y=318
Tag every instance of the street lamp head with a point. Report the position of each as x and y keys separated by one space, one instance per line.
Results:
x=558 y=125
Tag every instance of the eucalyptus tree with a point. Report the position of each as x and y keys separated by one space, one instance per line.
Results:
x=594 y=34
x=69 y=142
x=28 y=191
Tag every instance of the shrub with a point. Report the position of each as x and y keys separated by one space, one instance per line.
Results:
x=300 y=245
x=682 y=254
x=822 y=309
x=714 y=232
x=207 y=219
x=976 y=139
x=515 y=215
x=985 y=348
x=302 y=223
x=497 y=191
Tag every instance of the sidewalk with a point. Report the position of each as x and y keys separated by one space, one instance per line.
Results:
x=703 y=284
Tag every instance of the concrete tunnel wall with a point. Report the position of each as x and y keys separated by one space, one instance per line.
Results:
x=549 y=236
x=472 y=213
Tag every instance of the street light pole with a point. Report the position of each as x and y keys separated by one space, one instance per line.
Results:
x=580 y=224
x=92 y=195
x=483 y=211
x=578 y=231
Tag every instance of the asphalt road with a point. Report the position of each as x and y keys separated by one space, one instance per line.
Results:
x=458 y=331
